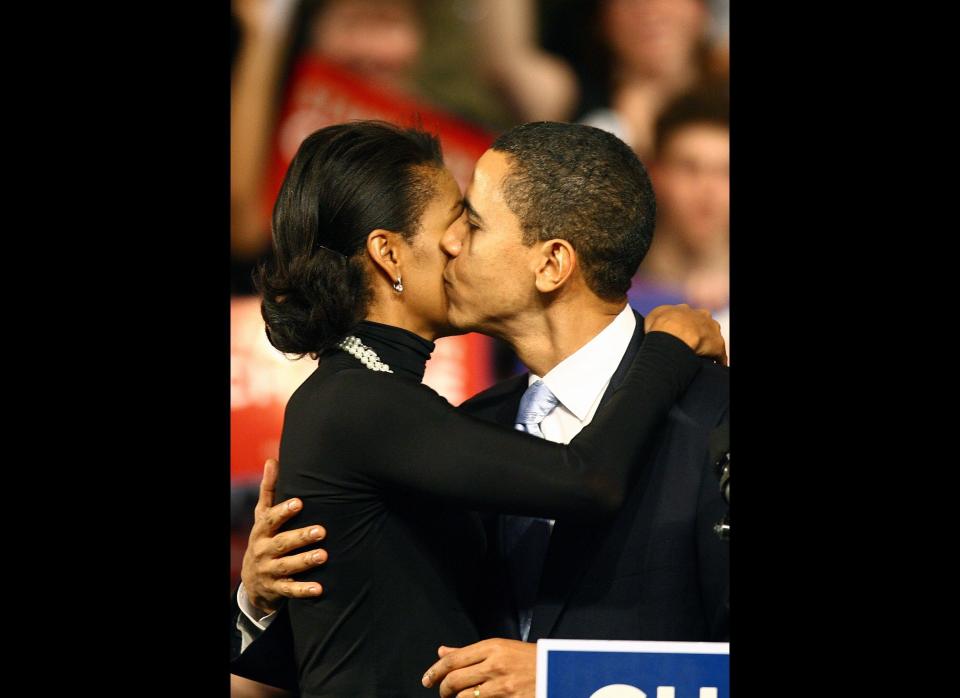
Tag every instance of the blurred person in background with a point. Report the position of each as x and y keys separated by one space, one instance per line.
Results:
x=613 y=64
x=719 y=33
x=689 y=260
x=300 y=65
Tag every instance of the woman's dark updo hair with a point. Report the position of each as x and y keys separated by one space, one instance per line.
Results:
x=344 y=182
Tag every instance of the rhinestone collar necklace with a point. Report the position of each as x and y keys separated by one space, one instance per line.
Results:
x=367 y=356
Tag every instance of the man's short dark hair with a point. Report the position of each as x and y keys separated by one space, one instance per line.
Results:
x=586 y=186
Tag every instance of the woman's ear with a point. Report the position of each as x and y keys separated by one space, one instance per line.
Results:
x=555 y=265
x=383 y=248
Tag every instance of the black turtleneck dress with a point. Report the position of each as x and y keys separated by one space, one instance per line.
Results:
x=394 y=473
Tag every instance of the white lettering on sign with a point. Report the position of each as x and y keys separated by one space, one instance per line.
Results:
x=618 y=690
x=622 y=690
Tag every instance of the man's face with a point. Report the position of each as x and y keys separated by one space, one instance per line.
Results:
x=692 y=180
x=491 y=281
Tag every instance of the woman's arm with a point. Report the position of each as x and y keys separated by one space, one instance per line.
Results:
x=269 y=560
x=408 y=439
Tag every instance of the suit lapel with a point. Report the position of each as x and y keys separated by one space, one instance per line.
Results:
x=574 y=546
x=632 y=348
x=507 y=412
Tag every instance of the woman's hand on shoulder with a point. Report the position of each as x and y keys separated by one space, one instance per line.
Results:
x=694 y=327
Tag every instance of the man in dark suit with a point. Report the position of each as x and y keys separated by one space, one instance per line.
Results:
x=560 y=216
x=657 y=571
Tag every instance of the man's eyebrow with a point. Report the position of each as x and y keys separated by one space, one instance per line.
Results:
x=471 y=210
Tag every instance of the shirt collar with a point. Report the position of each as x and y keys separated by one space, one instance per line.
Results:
x=579 y=380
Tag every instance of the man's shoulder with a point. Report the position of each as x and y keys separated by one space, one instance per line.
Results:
x=707 y=399
x=713 y=377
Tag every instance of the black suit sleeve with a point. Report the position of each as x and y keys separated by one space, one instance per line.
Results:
x=272 y=657
x=404 y=437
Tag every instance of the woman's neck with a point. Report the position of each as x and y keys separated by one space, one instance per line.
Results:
x=405 y=352
x=395 y=314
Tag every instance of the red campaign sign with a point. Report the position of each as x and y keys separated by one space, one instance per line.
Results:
x=262 y=380
x=321 y=94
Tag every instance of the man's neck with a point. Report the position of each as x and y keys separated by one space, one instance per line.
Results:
x=545 y=339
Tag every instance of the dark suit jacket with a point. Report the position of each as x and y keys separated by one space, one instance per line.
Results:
x=657 y=571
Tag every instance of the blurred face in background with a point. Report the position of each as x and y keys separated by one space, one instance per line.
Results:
x=691 y=176
x=653 y=37
x=379 y=39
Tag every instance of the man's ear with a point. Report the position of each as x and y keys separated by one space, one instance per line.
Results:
x=383 y=250
x=556 y=263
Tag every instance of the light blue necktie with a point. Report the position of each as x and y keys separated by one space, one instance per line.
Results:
x=537 y=402
x=526 y=539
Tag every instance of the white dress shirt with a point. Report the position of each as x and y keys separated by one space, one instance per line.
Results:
x=579 y=381
x=254 y=615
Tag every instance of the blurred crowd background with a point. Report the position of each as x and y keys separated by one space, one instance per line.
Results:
x=654 y=72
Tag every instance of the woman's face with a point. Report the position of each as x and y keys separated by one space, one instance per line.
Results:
x=443 y=226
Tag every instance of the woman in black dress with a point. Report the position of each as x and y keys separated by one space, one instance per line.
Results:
x=391 y=468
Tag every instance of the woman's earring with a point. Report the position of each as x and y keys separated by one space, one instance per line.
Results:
x=398 y=286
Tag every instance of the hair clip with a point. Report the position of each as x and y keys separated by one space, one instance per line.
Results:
x=336 y=252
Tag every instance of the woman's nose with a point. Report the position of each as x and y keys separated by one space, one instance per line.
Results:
x=452 y=241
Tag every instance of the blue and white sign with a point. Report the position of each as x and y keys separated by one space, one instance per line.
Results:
x=625 y=669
